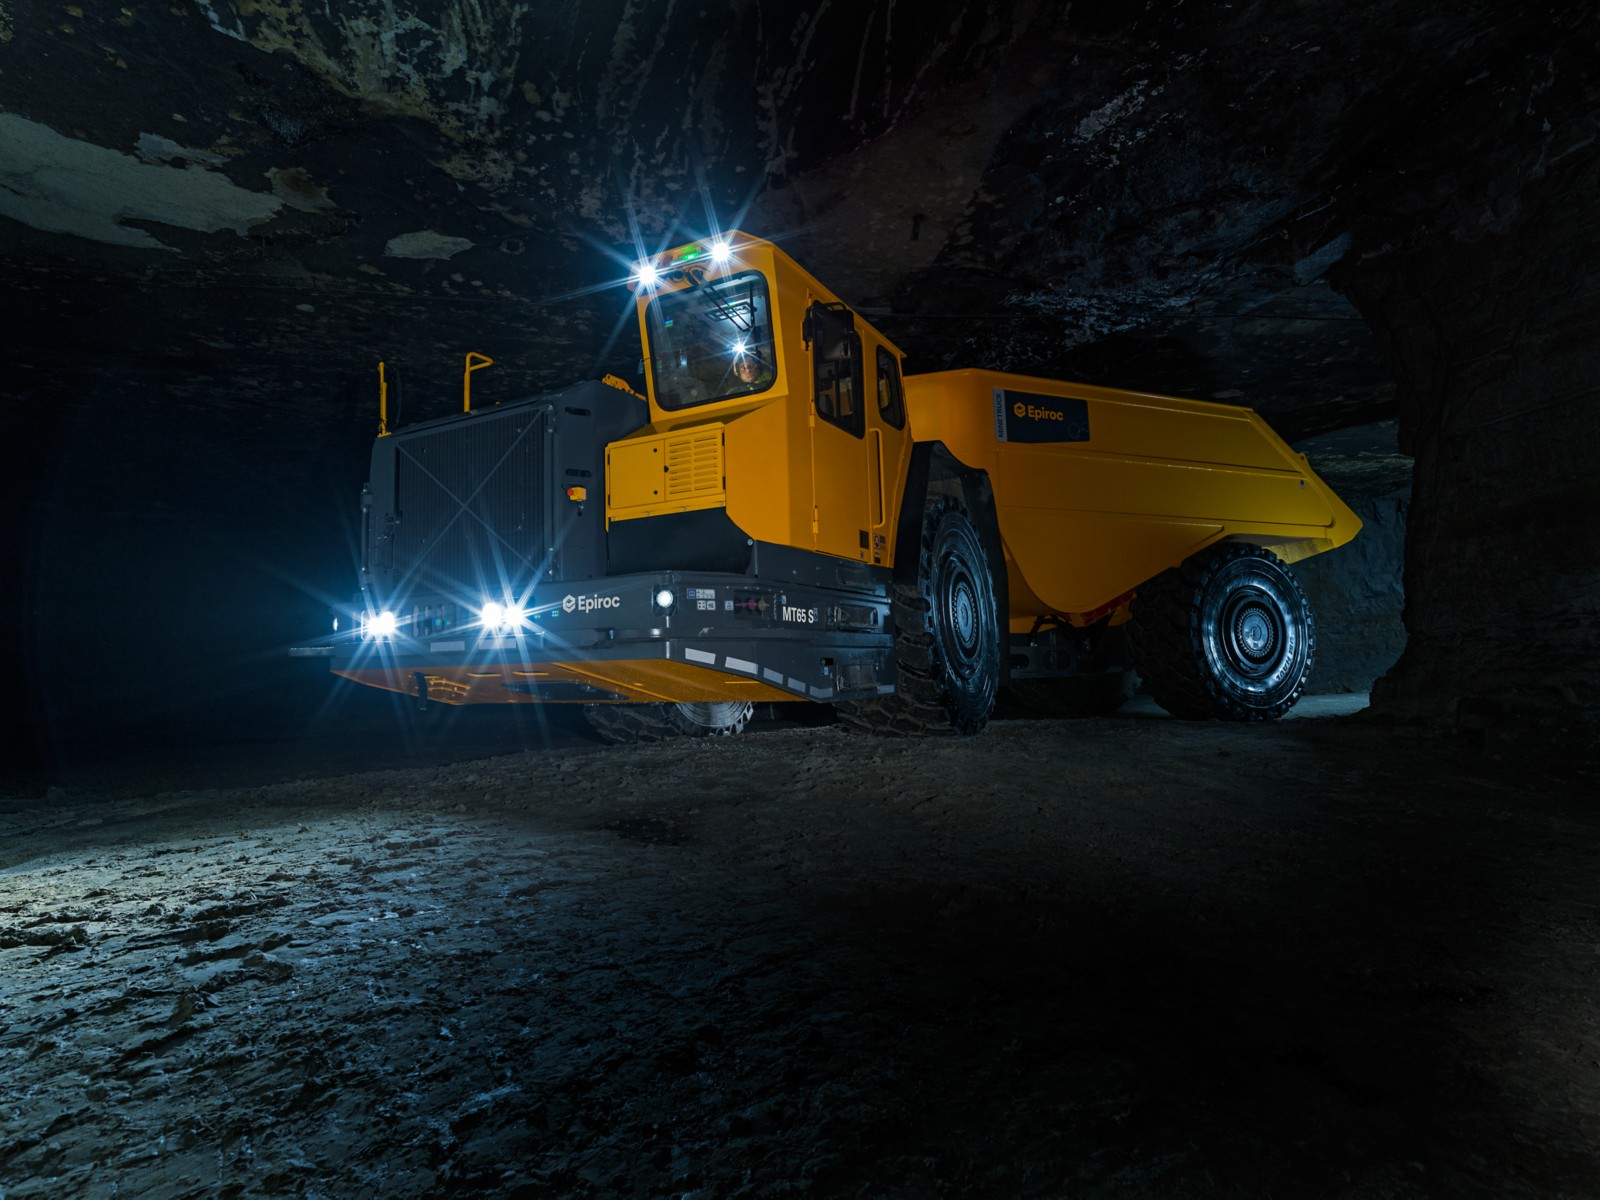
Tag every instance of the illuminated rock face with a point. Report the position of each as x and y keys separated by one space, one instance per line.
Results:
x=236 y=209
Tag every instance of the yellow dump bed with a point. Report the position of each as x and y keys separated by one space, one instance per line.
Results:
x=1099 y=490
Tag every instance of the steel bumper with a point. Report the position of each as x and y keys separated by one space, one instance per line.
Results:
x=718 y=637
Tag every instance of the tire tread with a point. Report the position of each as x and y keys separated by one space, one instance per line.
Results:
x=921 y=706
x=1166 y=639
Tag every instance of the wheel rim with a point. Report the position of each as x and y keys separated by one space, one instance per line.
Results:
x=715 y=714
x=960 y=616
x=1255 y=633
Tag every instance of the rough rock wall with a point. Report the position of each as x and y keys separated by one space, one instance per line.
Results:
x=1356 y=594
x=577 y=111
x=274 y=190
x=1476 y=240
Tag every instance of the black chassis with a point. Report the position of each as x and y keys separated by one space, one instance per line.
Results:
x=515 y=493
x=817 y=641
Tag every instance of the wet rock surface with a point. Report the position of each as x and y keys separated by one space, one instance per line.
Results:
x=1119 y=956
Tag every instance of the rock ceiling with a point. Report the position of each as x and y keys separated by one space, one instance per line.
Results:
x=261 y=192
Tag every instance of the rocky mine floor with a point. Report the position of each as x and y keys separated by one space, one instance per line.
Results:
x=1117 y=957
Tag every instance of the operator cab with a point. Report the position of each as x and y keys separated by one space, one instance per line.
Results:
x=712 y=323
x=770 y=400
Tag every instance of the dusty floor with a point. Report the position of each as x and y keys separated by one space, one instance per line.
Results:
x=1119 y=957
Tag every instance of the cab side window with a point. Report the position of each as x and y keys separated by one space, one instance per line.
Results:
x=891 y=396
x=836 y=359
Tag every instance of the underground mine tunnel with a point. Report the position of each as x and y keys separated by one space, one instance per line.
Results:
x=1120 y=919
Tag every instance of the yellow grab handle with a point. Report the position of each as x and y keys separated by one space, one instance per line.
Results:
x=383 y=403
x=483 y=360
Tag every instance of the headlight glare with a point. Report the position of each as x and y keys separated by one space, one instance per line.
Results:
x=502 y=618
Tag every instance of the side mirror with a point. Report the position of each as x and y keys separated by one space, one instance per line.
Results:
x=830 y=329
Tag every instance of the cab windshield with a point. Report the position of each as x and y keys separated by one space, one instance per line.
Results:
x=712 y=341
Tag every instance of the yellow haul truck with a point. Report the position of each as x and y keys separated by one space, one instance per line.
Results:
x=785 y=516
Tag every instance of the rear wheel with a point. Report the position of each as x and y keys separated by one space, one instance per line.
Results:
x=1227 y=635
x=947 y=639
x=625 y=723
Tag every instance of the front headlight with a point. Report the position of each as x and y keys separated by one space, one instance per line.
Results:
x=502 y=618
x=384 y=625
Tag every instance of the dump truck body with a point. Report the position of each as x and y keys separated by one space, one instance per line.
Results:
x=1098 y=490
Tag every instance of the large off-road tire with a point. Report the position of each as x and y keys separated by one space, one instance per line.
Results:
x=712 y=718
x=1073 y=696
x=1227 y=635
x=946 y=636
x=624 y=723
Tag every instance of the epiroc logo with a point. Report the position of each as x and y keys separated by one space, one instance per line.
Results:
x=588 y=604
x=1034 y=417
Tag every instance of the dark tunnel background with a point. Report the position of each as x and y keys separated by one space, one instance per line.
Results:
x=172 y=559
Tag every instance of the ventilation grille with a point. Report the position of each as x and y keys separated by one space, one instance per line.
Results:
x=470 y=502
x=694 y=464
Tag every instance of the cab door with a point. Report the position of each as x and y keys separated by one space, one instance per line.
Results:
x=841 y=464
x=888 y=451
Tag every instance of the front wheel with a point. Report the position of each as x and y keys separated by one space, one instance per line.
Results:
x=947 y=636
x=619 y=724
x=1228 y=635
x=712 y=718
